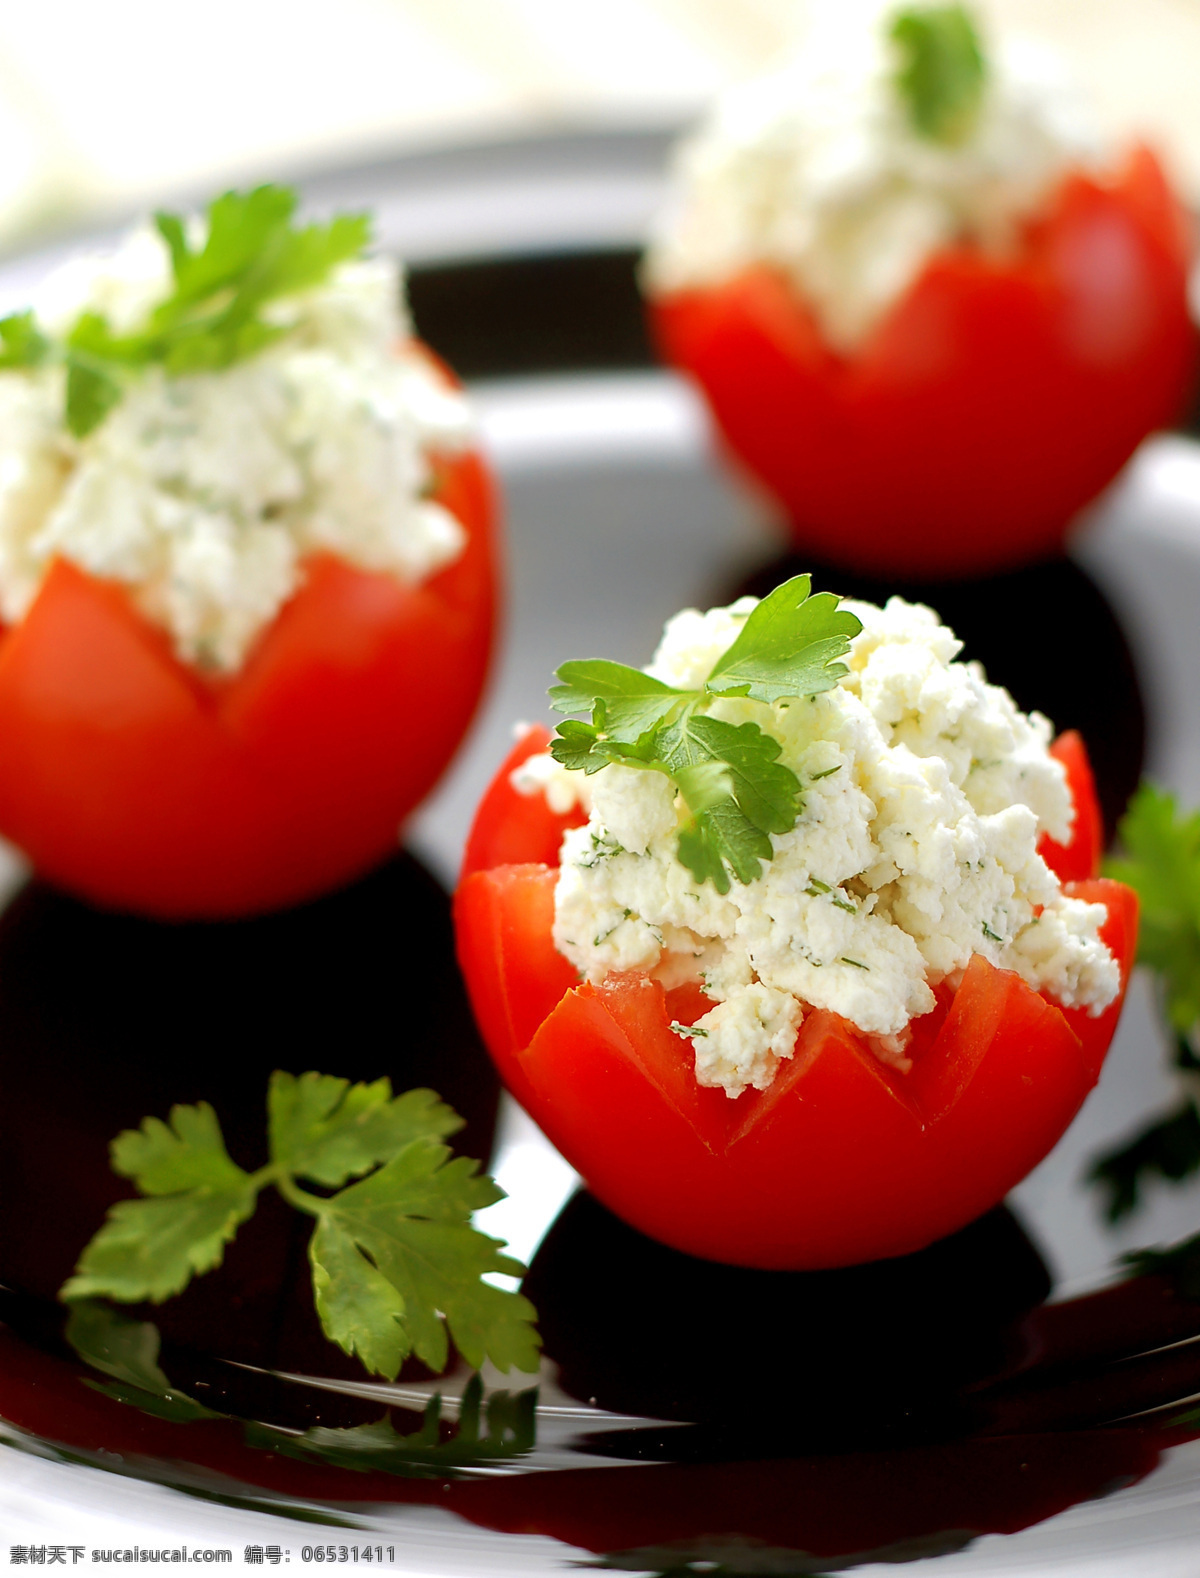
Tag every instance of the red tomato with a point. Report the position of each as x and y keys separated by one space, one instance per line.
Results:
x=994 y=400
x=512 y=828
x=131 y=779
x=841 y=1159
x=1080 y=859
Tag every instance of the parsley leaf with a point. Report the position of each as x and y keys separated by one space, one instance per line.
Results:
x=186 y=1153
x=408 y=1227
x=23 y=344
x=633 y=703
x=789 y=646
x=151 y=1248
x=91 y=394
x=251 y=254
x=359 y=1308
x=735 y=790
x=761 y=796
x=1162 y=864
x=942 y=73
x=764 y=791
x=329 y=1130
x=395 y=1258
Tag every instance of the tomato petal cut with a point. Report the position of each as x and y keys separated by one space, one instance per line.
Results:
x=667 y=1060
x=130 y=778
x=504 y=922
x=1024 y=1089
x=827 y=1049
x=1078 y=859
x=842 y=1158
x=612 y=1083
x=105 y=735
x=981 y=1004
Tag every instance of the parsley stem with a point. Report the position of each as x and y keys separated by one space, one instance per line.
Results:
x=313 y=1204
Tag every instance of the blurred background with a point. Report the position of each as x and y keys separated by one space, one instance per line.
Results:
x=106 y=107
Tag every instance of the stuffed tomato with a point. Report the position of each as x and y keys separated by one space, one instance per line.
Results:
x=243 y=525
x=912 y=307
x=828 y=1040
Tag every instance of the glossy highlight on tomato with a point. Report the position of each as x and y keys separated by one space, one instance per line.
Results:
x=995 y=399
x=132 y=780
x=841 y=1159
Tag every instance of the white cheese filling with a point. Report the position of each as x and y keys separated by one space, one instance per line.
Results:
x=815 y=169
x=204 y=493
x=925 y=792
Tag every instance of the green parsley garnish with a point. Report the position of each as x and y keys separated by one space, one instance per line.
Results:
x=23 y=344
x=252 y=254
x=942 y=72
x=736 y=791
x=395 y=1260
x=1162 y=864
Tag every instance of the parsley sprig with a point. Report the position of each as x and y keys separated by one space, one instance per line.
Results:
x=1162 y=863
x=735 y=789
x=397 y=1266
x=251 y=255
x=942 y=72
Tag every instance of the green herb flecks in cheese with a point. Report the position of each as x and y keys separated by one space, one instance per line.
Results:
x=196 y=412
x=920 y=795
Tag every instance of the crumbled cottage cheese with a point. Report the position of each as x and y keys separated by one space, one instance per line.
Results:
x=204 y=493
x=924 y=794
x=816 y=170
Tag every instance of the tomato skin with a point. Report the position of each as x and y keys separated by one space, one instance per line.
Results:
x=510 y=828
x=503 y=920
x=1078 y=860
x=995 y=399
x=130 y=779
x=841 y=1159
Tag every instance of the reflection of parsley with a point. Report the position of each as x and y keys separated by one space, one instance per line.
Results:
x=736 y=791
x=251 y=255
x=942 y=72
x=501 y=1427
x=1180 y=1263
x=1162 y=864
x=395 y=1260
x=497 y=1430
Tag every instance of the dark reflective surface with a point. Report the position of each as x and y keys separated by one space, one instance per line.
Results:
x=813 y=1514
x=787 y=1362
x=1046 y=632
x=106 y=1019
x=565 y=312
